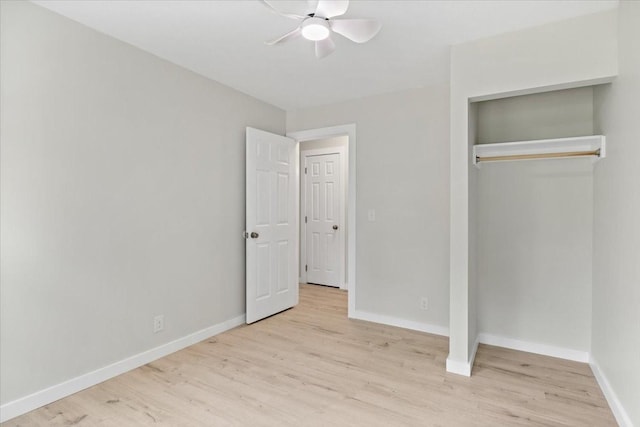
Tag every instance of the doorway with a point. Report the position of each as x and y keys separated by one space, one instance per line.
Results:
x=349 y=185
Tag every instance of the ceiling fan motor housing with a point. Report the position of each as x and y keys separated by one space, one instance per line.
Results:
x=315 y=29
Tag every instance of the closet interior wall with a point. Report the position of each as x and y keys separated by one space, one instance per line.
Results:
x=534 y=226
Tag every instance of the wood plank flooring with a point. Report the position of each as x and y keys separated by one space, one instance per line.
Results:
x=311 y=366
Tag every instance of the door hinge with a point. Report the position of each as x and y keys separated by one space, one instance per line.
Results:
x=305 y=219
x=305 y=268
x=305 y=170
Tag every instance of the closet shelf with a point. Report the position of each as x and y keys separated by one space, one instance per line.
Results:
x=582 y=146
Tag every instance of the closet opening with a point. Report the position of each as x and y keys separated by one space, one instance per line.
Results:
x=531 y=220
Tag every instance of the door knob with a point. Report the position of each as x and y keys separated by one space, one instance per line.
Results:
x=254 y=235
x=335 y=227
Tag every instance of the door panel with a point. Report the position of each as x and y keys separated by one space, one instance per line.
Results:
x=325 y=245
x=271 y=253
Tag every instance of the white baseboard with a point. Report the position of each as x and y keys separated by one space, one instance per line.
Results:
x=461 y=367
x=43 y=397
x=401 y=323
x=474 y=350
x=458 y=367
x=532 y=347
x=618 y=410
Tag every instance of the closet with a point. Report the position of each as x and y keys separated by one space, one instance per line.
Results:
x=533 y=157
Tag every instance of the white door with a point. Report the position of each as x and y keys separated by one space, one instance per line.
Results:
x=271 y=221
x=324 y=228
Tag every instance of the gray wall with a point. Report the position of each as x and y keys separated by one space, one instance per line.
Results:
x=555 y=114
x=534 y=249
x=616 y=272
x=402 y=173
x=122 y=198
x=338 y=141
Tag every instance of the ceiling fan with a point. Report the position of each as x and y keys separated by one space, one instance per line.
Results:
x=318 y=25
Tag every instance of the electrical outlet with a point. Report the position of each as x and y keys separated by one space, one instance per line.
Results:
x=424 y=303
x=158 y=323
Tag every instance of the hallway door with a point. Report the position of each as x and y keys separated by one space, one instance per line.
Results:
x=323 y=216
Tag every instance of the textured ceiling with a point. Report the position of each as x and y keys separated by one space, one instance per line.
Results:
x=224 y=40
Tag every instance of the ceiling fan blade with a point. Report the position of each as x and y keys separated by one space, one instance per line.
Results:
x=276 y=11
x=331 y=8
x=290 y=35
x=324 y=47
x=357 y=30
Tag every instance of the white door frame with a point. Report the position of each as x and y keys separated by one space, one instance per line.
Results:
x=329 y=132
x=342 y=284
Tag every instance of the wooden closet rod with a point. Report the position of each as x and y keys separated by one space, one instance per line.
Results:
x=538 y=156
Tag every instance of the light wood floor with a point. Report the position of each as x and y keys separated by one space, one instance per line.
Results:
x=311 y=366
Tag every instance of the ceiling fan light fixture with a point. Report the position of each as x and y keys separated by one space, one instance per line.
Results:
x=315 y=29
x=318 y=26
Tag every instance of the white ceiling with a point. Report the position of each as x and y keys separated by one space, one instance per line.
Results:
x=223 y=40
